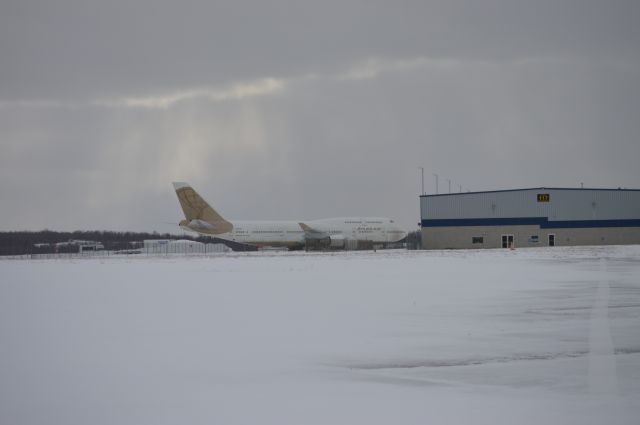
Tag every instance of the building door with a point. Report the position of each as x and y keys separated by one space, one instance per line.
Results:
x=507 y=241
x=552 y=240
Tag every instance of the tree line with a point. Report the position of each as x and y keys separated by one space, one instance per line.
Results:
x=44 y=241
x=24 y=242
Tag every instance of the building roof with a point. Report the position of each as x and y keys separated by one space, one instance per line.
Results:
x=532 y=188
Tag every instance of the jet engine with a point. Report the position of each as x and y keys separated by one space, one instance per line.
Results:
x=336 y=241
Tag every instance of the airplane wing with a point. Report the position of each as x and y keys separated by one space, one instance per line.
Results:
x=313 y=234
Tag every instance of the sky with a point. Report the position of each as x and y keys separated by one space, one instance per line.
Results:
x=304 y=110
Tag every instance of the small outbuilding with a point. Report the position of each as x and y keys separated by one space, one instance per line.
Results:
x=181 y=246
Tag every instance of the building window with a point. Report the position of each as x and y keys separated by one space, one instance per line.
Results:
x=534 y=239
x=477 y=239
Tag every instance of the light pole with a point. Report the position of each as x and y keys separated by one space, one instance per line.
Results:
x=422 y=173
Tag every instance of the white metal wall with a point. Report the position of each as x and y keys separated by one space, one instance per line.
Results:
x=564 y=204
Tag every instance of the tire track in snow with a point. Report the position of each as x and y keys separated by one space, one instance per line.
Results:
x=602 y=362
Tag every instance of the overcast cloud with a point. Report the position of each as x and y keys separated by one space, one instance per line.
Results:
x=303 y=110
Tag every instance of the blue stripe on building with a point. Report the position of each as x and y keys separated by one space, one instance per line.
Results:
x=543 y=222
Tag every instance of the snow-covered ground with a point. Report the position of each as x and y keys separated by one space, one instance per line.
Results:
x=531 y=336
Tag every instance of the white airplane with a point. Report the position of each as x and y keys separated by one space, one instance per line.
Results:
x=332 y=232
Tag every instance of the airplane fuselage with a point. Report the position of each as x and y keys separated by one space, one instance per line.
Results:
x=289 y=233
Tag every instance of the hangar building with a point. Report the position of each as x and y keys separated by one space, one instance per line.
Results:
x=530 y=217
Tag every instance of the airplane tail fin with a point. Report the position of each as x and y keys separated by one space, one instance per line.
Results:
x=197 y=210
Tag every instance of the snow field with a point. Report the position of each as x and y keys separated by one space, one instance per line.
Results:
x=496 y=336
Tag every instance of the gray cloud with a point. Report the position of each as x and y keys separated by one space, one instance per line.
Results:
x=291 y=110
x=78 y=48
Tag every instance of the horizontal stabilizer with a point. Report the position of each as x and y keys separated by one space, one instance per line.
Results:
x=311 y=233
